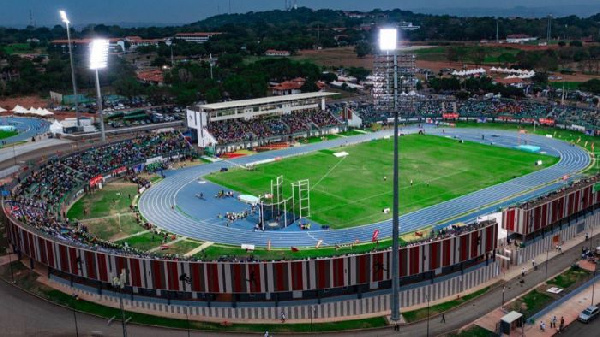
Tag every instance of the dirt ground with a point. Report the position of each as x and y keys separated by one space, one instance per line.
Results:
x=24 y=101
x=335 y=57
x=343 y=56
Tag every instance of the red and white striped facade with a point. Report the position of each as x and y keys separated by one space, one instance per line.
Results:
x=556 y=207
x=253 y=277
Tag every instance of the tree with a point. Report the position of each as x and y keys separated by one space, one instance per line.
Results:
x=478 y=55
x=540 y=78
x=309 y=86
x=506 y=59
x=576 y=44
x=452 y=54
x=213 y=95
x=159 y=62
x=328 y=77
x=359 y=72
x=362 y=49
x=128 y=87
x=592 y=86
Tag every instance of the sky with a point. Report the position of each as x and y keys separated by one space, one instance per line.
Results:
x=45 y=12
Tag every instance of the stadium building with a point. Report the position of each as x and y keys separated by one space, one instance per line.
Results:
x=274 y=119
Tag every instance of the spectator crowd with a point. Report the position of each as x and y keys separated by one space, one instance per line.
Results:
x=239 y=130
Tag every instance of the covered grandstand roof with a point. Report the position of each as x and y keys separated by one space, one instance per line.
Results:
x=265 y=100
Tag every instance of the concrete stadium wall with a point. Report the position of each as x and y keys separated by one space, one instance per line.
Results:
x=338 y=309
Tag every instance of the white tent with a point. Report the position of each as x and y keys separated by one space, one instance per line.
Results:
x=45 y=113
x=2 y=109
x=56 y=127
x=245 y=198
x=19 y=109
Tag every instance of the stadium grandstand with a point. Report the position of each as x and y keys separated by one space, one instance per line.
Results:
x=506 y=110
x=251 y=123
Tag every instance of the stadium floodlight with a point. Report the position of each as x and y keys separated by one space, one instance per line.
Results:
x=98 y=54
x=388 y=39
x=63 y=17
x=99 y=60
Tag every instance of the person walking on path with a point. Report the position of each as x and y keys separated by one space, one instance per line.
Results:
x=562 y=323
x=553 y=322
x=282 y=317
x=443 y=318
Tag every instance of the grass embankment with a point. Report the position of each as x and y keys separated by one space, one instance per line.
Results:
x=569 y=278
x=26 y=280
x=440 y=169
x=108 y=215
x=531 y=303
x=7 y=134
x=566 y=85
x=419 y=314
x=352 y=133
x=316 y=139
x=441 y=53
x=107 y=212
x=215 y=251
x=538 y=299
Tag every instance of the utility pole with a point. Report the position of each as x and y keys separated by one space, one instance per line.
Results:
x=549 y=29
x=497 y=30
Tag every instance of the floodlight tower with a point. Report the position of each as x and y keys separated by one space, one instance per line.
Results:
x=388 y=39
x=99 y=60
x=169 y=44
x=63 y=17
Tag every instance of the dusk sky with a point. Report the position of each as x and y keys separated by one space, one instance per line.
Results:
x=16 y=12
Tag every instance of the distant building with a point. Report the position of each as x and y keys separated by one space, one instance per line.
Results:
x=355 y=15
x=288 y=87
x=115 y=44
x=513 y=82
x=520 y=38
x=197 y=37
x=136 y=41
x=151 y=76
x=409 y=26
x=274 y=52
x=366 y=26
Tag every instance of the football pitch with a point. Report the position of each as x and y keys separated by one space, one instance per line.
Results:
x=355 y=189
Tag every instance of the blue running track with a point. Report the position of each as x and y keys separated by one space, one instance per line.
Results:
x=27 y=127
x=200 y=223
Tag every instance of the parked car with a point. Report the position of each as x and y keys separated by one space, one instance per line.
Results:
x=589 y=314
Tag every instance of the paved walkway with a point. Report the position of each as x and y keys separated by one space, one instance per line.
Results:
x=572 y=253
x=202 y=247
x=570 y=309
